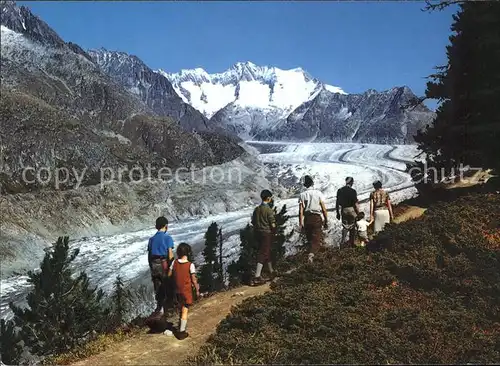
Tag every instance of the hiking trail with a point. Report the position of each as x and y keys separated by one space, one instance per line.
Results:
x=159 y=349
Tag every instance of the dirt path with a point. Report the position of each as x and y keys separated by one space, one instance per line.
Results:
x=158 y=349
x=405 y=213
x=479 y=177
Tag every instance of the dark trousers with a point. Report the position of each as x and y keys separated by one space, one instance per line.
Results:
x=313 y=226
x=348 y=224
x=161 y=284
x=264 y=240
x=160 y=289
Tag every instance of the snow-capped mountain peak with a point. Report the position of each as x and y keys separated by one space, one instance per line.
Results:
x=248 y=71
x=240 y=66
x=334 y=89
x=197 y=75
x=247 y=85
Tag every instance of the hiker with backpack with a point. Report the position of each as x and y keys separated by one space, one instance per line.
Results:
x=160 y=255
x=311 y=207
x=264 y=224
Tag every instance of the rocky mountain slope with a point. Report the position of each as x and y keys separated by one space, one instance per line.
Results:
x=154 y=89
x=59 y=109
x=371 y=117
x=267 y=103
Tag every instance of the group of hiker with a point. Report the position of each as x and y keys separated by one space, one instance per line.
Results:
x=353 y=220
x=313 y=218
x=176 y=278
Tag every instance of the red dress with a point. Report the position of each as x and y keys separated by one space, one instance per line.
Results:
x=183 y=283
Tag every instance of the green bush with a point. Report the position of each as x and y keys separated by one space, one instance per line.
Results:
x=210 y=279
x=425 y=291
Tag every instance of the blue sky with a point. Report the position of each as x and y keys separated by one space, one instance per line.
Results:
x=354 y=45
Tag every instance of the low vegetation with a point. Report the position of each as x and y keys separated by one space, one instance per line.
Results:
x=426 y=291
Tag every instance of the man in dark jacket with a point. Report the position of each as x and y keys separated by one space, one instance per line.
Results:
x=347 y=200
x=264 y=223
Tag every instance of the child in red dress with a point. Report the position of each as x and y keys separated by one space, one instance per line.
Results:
x=184 y=276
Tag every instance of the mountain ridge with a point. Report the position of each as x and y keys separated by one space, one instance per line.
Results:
x=152 y=88
x=248 y=101
x=231 y=82
x=338 y=116
x=370 y=117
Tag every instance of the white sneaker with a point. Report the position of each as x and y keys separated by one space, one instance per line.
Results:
x=310 y=257
x=168 y=333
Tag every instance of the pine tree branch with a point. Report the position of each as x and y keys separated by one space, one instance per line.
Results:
x=71 y=289
x=441 y=5
x=33 y=331
x=414 y=103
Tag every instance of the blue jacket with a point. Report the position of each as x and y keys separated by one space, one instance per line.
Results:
x=160 y=243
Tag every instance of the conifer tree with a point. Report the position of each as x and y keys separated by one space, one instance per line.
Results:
x=10 y=347
x=120 y=303
x=220 y=269
x=210 y=269
x=233 y=274
x=278 y=249
x=467 y=127
x=241 y=270
x=63 y=310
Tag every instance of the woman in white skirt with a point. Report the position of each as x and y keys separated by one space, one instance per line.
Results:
x=380 y=207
